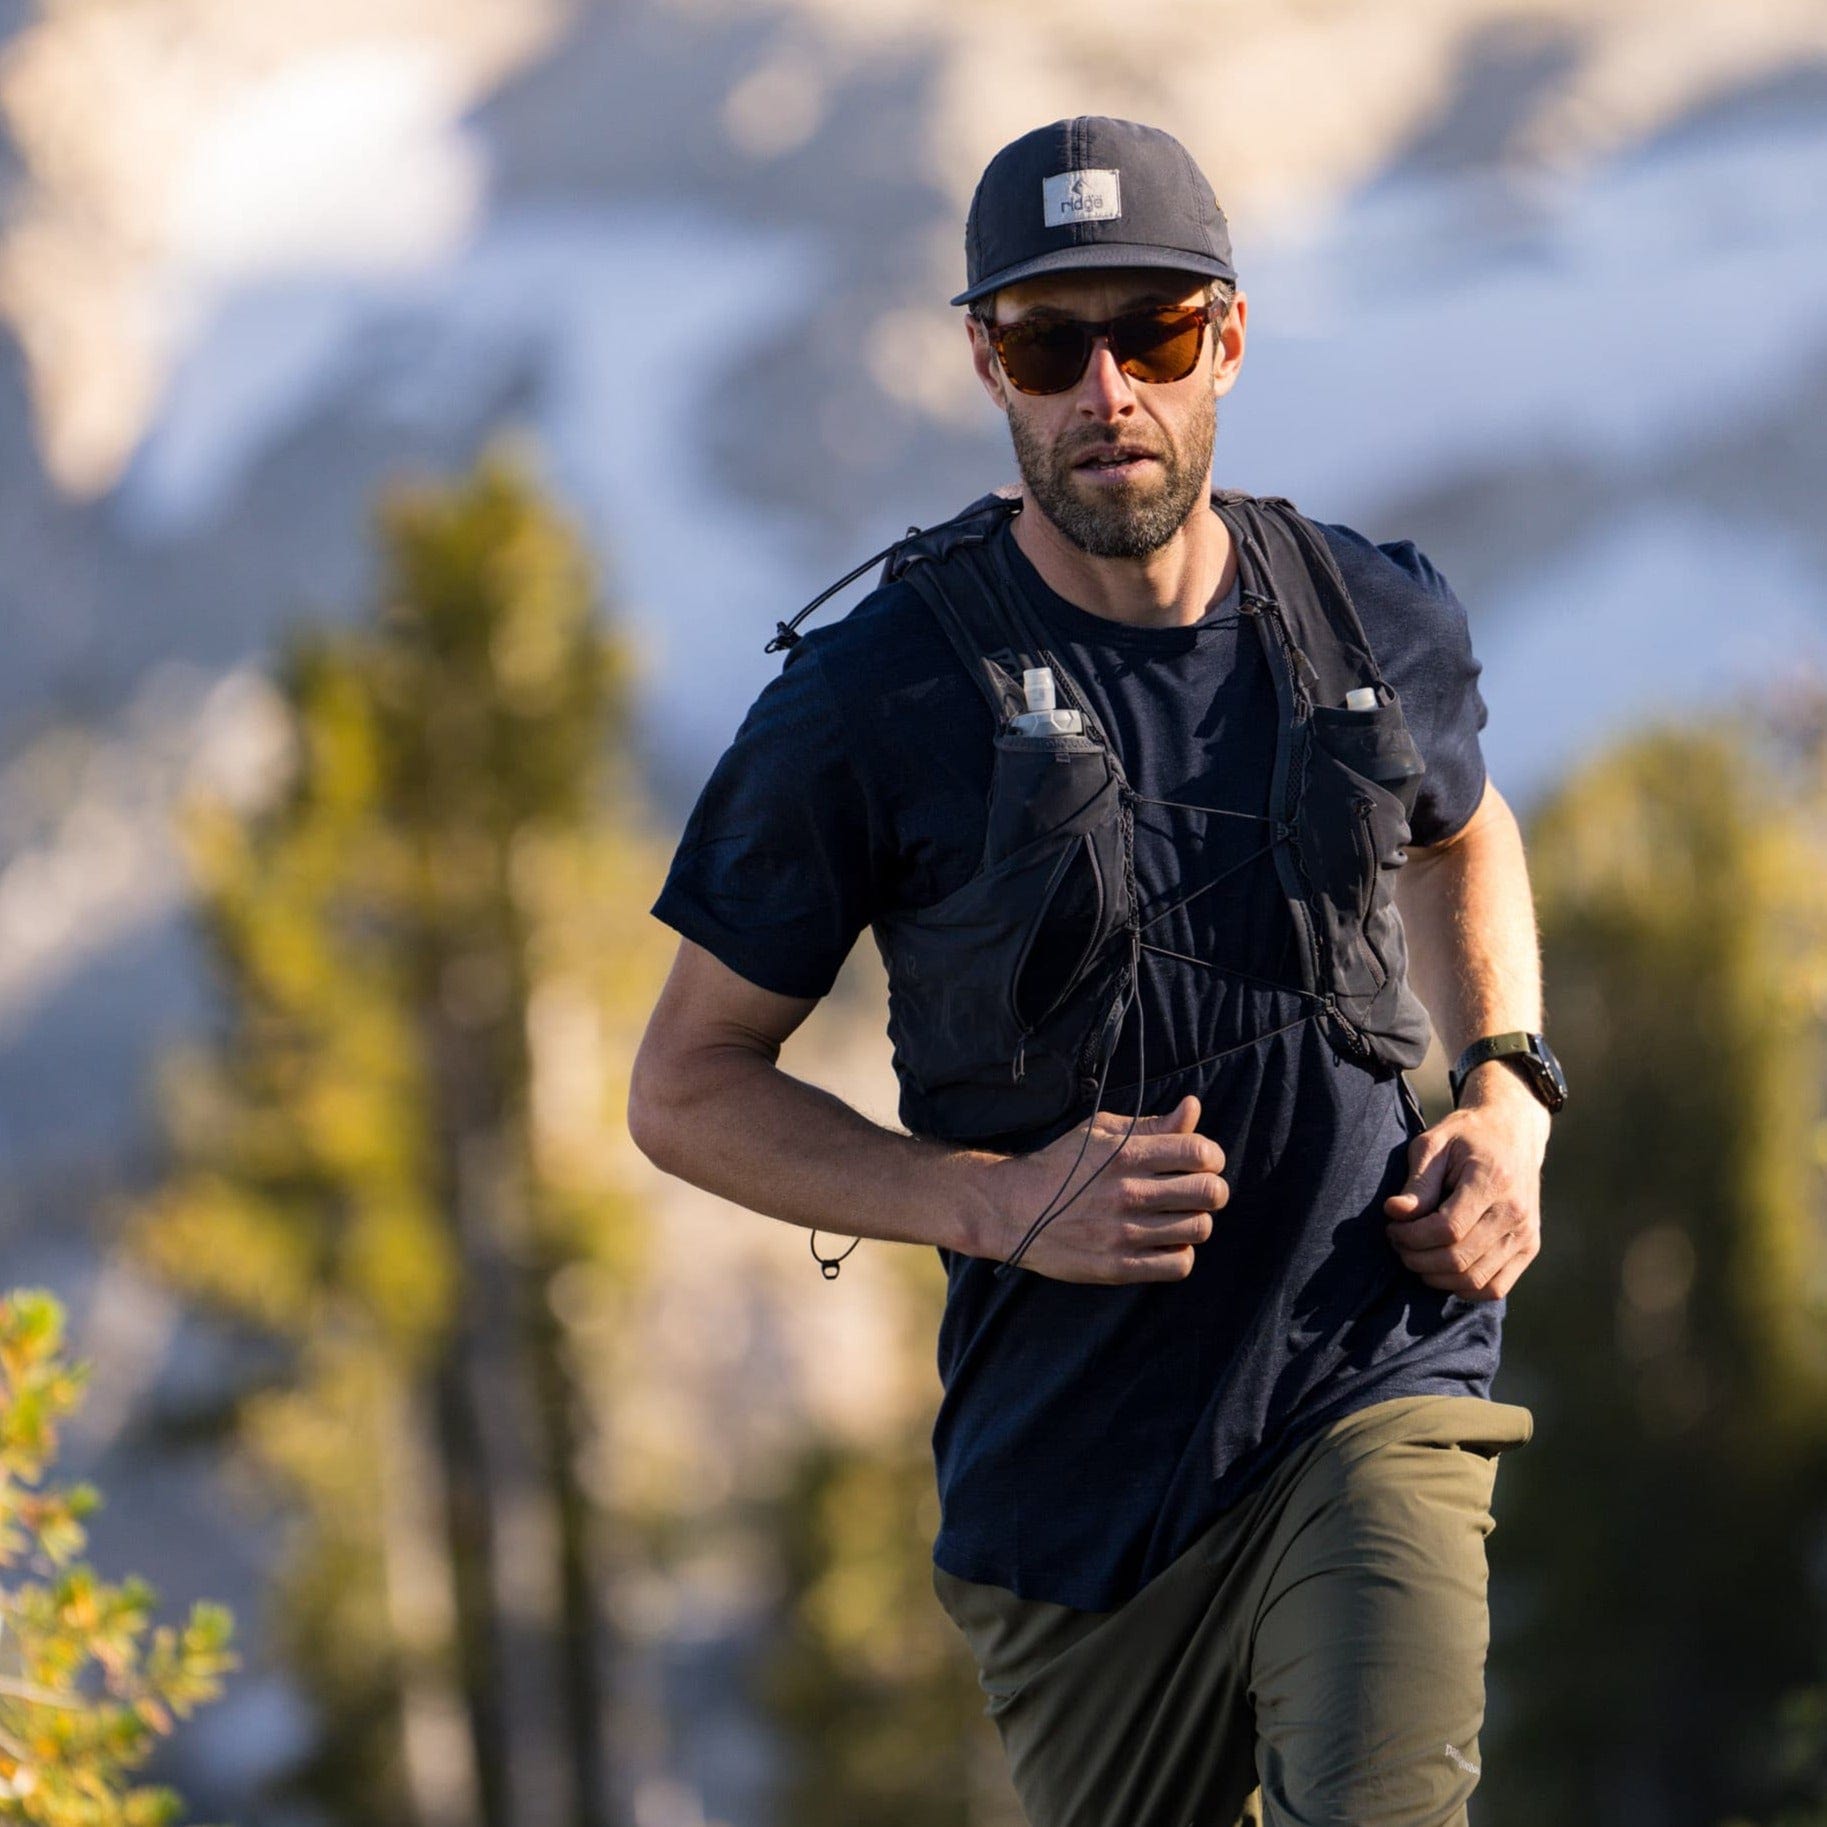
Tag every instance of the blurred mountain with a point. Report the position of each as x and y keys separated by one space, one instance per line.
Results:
x=1544 y=289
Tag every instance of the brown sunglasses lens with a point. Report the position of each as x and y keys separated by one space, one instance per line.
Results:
x=1049 y=355
x=1157 y=345
x=1043 y=357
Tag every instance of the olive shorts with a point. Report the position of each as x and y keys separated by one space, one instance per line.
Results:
x=1316 y=1656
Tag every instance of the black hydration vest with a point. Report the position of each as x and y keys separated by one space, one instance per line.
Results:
x=1006 y=997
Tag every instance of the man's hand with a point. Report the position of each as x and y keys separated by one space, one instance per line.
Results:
x=1138 y=1220
x=1469 y=1219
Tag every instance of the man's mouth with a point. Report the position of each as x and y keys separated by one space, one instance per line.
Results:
x=1114 y=465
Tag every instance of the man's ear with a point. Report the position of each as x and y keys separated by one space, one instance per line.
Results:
x=1234 y=319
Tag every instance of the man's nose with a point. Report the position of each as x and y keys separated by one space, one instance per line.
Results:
x=1105 y=388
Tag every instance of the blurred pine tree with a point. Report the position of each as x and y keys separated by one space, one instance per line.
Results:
x=868 y=1682
x=1658 y=1578
x=403 y=1139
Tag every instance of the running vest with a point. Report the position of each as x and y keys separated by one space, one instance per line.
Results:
x=1007 y=996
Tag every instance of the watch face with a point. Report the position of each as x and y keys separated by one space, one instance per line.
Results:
x=1554 y=1080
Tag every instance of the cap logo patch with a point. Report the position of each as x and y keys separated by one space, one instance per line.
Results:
x=1081 y=196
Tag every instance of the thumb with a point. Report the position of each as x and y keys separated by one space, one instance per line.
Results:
x=1426 y=1181
x=1182 y=1118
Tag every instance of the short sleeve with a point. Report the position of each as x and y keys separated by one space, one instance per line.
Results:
x=774 y=871
x=1418 y=629
x=1440 y=683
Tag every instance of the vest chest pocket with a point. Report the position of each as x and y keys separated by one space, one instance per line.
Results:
x=1375 y=745
x=965 y=971
x=950 y=965
x=1064 y=930
x=1046 y=786
x=1362 y=775
x=1041 y=785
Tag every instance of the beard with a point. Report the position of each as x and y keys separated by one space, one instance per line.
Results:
x=1127 y=522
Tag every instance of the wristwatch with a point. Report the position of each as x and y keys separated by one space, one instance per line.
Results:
x=1531 y=1057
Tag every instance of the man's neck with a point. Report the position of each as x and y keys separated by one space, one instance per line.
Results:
x=1170 y=588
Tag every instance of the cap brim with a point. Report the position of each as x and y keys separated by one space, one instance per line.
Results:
x=1090 y=254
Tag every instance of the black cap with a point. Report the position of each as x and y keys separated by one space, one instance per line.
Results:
x=1091 y=192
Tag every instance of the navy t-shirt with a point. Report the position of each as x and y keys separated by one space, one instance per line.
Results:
x=1087 y=1434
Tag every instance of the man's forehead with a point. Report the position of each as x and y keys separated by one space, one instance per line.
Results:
x=1097 y=289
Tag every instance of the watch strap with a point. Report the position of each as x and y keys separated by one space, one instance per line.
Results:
x=1497 y=1046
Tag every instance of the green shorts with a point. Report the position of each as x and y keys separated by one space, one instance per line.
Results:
x=1317 y=1655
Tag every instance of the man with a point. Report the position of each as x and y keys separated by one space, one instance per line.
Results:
x=1216 y=1469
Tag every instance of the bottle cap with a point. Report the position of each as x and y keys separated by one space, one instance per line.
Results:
x=1037 y=683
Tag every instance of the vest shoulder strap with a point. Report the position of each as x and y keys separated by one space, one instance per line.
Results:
x=1291 y=550
x=961 y=571
x=970 y=526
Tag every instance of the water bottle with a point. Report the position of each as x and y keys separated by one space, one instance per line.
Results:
x=1042 y=718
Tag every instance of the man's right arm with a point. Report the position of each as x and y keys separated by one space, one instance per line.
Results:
x=709 y=1104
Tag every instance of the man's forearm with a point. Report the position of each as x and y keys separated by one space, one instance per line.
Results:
x=1469 y=918
x=753 y=1134
x=1468 y=1218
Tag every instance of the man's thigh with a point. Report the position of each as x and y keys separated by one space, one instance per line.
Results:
x=1135 y=1718
x=1367 y=1659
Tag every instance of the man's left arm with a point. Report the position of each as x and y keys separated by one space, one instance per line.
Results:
x=1469 y=1218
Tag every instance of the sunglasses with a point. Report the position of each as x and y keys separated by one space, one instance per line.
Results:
x=1050 y=354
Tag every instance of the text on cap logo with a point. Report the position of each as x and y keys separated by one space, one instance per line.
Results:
x=1081 y=196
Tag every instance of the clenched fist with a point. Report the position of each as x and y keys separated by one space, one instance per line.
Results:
x=1139 y=1219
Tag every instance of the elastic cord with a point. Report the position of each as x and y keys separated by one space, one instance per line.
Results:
x=1135 y=1000
x=1187 y=805
x=828 y=1264
x=786 y=633
x=1238 y=1046
x=1231 y=970
x=1242 y=862
x=1049 y=1213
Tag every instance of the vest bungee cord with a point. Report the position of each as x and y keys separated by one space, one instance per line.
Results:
x=1232 y=970
x=787 y=633
x=1049 y=1213
x=1187 y=805
x=1243 y=862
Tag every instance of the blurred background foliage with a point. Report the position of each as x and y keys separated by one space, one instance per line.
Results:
x=88 y=1682
x=1660 y=1560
